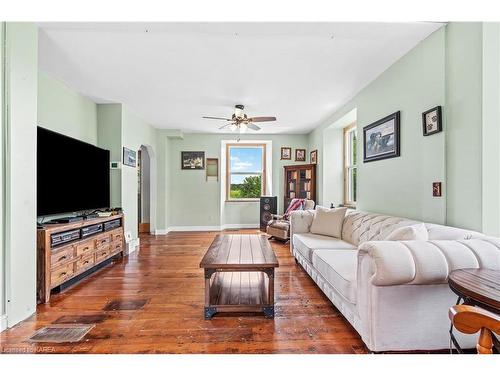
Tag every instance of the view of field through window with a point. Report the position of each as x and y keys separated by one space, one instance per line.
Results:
x=245 y=172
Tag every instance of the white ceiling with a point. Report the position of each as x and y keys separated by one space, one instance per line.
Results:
x=172 y=74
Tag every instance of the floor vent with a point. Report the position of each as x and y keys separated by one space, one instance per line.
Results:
x=81 y=319
x=133 y=304
x=61 y=333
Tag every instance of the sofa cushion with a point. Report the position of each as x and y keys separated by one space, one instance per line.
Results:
x=442 y=232
x=328 y=221
x=306 y=243
x=416 y=232
x=338 y=267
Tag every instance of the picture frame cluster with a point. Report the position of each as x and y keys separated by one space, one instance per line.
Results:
x=300 y=155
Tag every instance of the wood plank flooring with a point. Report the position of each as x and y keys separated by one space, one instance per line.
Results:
x=165 y=272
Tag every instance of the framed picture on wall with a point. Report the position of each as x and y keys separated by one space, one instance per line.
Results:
x=381 y=139
x=192 y=159
x=314 y=157
x=129 y=157
x=431 y=121
x=286 y=153
x=300 y=154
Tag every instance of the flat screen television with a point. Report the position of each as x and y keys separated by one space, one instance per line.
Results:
x=71 y=175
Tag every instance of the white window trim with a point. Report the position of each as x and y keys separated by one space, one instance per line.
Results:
x=268 y=169
x=348 y=165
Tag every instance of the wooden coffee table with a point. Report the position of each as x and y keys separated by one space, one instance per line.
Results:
x=239 y=275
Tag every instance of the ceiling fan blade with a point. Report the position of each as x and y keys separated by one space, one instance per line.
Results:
x=253 y=126
x=261 y=119
x=217 y=118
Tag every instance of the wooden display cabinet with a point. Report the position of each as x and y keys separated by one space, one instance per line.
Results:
x=300 y=182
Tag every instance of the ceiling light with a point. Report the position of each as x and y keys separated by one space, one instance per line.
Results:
x=243 y=128
x=233 y=127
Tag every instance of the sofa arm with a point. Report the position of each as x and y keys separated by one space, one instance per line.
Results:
x=424 y=262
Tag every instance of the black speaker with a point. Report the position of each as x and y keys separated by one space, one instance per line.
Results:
x=268 y=207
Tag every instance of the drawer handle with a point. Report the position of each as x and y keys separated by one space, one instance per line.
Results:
x=103 y=241
x=62 y=273
x=86 y=248
x=85 y=262
x=103 y=253
x=62 y=258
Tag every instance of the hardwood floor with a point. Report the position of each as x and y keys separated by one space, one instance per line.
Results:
x=152 y=302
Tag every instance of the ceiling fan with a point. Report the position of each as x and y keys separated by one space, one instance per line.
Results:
x=240 y=121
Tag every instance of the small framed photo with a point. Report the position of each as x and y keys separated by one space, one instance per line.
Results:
x=192 y=159
x=129 y=157
x=431 y=121
x=314 y=157
x=300 y=154
x=286 y=153
x=381 y=139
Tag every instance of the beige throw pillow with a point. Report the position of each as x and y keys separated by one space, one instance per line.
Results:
x=328 y=221
x=409 y=233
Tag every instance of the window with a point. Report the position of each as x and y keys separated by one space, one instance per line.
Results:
x=246 y=170
x=350 y=165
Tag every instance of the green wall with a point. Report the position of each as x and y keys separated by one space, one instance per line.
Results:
x=193 y=201
x=19 y=122
x=65 y=111
x=400 y=186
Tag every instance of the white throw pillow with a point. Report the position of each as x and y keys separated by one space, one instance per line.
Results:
x=328 y=221
x=409 y=233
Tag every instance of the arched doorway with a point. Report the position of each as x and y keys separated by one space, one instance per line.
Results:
x=144 y=190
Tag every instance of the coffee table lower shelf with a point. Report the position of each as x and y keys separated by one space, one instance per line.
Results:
x=239 y=291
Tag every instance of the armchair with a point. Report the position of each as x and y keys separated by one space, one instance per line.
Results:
x=279 y=226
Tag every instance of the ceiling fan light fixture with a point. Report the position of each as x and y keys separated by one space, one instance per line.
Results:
x=233 y=127
x=243 y=128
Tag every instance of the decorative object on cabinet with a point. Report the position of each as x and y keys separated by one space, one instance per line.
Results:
x=300 y=154
x=71 y=250
x=212 y=168
x=129 y=157
x=286 y=153
x=192 y=159
x=381 y=139
x=314 y=157
x=300 y=182
x=431 y=121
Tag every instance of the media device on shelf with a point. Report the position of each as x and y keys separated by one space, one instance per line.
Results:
x=72 y=176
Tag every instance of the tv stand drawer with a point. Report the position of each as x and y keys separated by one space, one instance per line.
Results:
x=59 y=275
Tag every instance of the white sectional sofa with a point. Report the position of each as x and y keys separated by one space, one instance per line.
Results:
x=394 y=293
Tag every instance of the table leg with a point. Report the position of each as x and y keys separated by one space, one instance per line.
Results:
x=269 y=310
x=208 y=311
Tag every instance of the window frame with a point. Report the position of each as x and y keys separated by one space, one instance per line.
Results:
x=262 y=146
x=348 y=164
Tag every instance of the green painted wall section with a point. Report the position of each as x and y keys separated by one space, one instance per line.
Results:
x=464 y=124
x=400 y=186
x=193 y=201
x=135 y=133
x=109 y=136
x=491 y=129
x=21 y=68
x=65 y=111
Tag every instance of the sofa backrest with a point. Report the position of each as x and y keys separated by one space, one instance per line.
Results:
x=359 y=227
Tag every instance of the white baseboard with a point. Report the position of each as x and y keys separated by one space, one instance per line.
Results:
x=159 y=232
x=240 y=226
x=194 y=228
x=133 y=245
x=205 y=228
x=3 y=322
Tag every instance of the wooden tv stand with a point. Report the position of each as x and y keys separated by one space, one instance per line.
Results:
x=59 y=263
